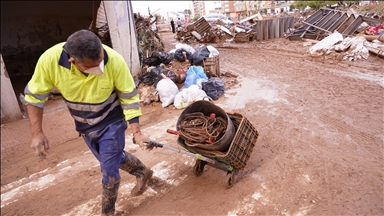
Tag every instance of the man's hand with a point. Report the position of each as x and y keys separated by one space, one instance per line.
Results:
x=141 y=140
x=38 y=141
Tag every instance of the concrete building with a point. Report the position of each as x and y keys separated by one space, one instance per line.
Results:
x=240 y=9
x=173 y=15
x=198 y=8
x=228 y=8
x=253 y=7
x=216 y=7
x=276 y=7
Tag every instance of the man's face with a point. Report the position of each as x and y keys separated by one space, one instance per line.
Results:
x=87 y=64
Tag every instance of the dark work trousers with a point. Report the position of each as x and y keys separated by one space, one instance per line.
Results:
x=107 y=145
x=173 y=28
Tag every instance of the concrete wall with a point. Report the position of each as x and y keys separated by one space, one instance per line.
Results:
x=123 y=32
x=28 y=28
x=9 y=106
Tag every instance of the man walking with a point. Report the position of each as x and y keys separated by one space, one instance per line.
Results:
x=178 y=22
x=173 y=26
x=101 y=96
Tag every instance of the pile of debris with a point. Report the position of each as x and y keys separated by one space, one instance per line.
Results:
x=350 y=36
x=205 y=32
x=325 y=21
x=250 y=29
x=181 y=76
x=149 y=40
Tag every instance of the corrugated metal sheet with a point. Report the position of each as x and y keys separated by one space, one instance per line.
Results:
x=273 y=28
x=327 y=21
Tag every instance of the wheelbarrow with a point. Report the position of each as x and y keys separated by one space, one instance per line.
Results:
x=231 y=161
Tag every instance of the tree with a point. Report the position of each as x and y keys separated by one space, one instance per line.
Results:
x=265 y=10
x=301 y=5
x=292 y=7
x=316 y=5
x=187 y=11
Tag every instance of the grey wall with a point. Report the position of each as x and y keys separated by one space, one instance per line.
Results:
x=28 y=28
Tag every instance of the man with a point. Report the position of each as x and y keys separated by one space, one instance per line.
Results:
x=101 y=96
x=173 y=26
x=178 y=22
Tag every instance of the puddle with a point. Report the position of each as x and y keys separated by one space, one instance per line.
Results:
x=253 y=90
x=375 y=78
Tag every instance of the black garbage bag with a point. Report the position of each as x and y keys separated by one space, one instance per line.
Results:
x=170 y=74
x=164 y=57
x=157 y=58
x=152 y=61
x=199 y=56
x=149 y=78
x=180 y=57
x=214 y=87
x=153 y=76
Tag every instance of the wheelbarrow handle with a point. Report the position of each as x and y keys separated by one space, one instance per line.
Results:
x=152 y=144
x=216 y=163
x=220 y=165
x=149 y=144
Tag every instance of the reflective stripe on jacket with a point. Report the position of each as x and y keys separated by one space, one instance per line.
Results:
x=92 y=99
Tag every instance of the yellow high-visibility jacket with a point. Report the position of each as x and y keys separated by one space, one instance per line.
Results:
x=93 y=101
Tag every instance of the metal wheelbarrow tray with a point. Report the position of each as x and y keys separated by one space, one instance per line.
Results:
x=233 y=160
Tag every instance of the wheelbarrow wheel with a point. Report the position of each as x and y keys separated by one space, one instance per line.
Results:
x=199 y=167
x=230 y=178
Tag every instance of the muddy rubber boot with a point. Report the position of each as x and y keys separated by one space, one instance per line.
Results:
x=134 y=166
x=109 y=199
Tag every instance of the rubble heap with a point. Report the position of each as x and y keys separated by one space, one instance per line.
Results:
x=149 y=40
x=205 y=32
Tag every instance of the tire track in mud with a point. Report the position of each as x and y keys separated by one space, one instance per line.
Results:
x=360 y=138
x=329 y=94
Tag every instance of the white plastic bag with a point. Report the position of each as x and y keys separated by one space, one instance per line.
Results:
x=186 y=47
x=188 y=95
x=167 y=91
x=213 y=51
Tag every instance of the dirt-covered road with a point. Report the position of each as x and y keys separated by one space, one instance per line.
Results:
x=319 y=150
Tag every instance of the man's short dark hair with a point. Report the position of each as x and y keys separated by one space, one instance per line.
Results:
x=83 y=44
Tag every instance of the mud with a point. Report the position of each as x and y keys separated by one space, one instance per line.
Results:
x=319 y=151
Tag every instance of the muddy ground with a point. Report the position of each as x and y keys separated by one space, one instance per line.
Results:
x=319 y=150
